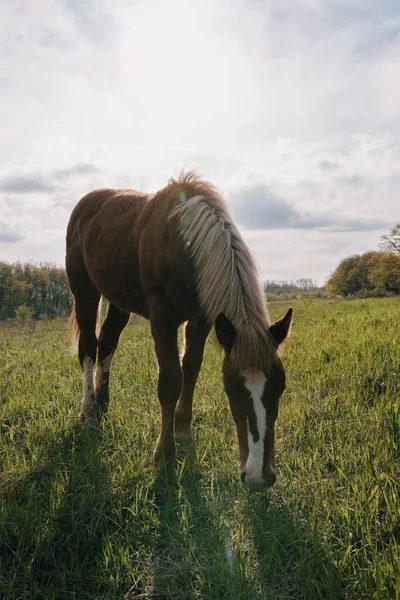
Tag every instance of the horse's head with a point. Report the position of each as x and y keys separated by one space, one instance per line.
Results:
x=254 y=397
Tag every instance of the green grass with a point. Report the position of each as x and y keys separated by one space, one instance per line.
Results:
x=84 y=515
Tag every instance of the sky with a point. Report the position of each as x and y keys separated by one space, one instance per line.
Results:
x=290 y=107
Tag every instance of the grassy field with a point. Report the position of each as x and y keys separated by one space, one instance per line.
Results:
x=83 y=514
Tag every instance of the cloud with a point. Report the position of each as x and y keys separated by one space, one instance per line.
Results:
x=51 y=39
x=343 y=225
x=24 y=184
x=8 y=236
x=257 y=207
x=291 y=108
x=78 y=170
x=92 y=19
x=328 y=165
x=45 y=182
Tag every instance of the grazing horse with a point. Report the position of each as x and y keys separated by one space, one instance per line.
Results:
x=173 y=257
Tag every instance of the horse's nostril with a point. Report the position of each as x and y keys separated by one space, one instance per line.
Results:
x=243 y=477
x=270 y=479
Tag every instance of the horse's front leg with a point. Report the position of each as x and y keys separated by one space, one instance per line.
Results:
x=164 y=329
x=196 y=333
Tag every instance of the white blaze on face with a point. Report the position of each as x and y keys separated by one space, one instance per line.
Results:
x=255 y=381
x=88 y=388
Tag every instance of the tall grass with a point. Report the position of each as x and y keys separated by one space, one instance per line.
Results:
x=84 y=515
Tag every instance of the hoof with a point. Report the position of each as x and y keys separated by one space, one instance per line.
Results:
x=91 y=419
x=182 y=425
x=90 y=412
x=164 y=456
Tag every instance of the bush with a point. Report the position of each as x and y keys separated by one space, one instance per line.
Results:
x=23 y=312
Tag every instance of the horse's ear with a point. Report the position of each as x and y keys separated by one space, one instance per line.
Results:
x=226 y=332
x=280 y=329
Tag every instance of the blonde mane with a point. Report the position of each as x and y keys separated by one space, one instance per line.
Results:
x=227 y=276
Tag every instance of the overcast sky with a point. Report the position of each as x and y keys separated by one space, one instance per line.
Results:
x=291 y=107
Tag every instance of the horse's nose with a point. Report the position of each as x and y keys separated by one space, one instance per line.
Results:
x=258 y=486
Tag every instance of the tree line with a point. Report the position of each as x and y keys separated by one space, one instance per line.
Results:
x=372 y=273
x=41 y=290
x=279 y=290
x=33 y=291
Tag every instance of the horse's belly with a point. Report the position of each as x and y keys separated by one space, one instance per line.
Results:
x=115 y=273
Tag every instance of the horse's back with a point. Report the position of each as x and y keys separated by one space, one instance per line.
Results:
x=98 y=206
x=131 y=249
x=101 y=243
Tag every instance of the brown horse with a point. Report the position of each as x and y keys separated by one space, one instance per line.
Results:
x=173 y=257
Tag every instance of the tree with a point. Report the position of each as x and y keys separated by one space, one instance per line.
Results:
x=366 y=272
x=42 y=288
x=391 y=241
x=346 y=278
x=386 y=273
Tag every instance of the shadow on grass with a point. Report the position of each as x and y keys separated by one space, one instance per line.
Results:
x=241 y=549
x=291 y=560
x=65 y=534
x=53 y=524
x=191 y=555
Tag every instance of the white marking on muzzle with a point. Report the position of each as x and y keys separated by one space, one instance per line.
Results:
x=254 y=381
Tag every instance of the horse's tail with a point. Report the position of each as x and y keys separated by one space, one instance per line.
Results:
x=101 y=308
x=74 y=329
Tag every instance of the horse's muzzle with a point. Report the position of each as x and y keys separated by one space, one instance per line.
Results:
x=269 y=481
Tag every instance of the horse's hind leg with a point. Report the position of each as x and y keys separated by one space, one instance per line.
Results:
x=196 y=333
x=108 y=342
x=86 y=303
x=164 y=329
